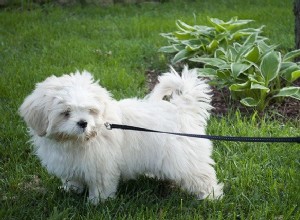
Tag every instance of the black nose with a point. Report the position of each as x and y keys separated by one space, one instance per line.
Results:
x=82 y=123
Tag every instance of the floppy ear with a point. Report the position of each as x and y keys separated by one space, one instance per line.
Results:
x=34 y=111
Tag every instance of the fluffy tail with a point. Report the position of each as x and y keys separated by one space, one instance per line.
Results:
x=189 y=93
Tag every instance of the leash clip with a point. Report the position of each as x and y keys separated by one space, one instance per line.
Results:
x=108 y=126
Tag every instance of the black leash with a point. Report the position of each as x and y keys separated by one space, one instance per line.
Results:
x=211 y=137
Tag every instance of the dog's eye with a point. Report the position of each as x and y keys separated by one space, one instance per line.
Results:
x=66 y=113
x=93 y=111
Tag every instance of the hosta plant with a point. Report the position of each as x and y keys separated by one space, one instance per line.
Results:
x=238 y=58
x=254 y=71
x=198 y=40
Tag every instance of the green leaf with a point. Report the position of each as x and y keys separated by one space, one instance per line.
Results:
x=181 y=55
x=231 y=54
x=240 y=34
x=286 y=65
x=292 y=91
x=270 y=66
x=252 y=55
x=207 y=72
x=169 y=36
x=240 y=87
x=193 y=48
x=223 y=74
x=251 y=39
x=179 y=47
x=204 y=31
x=212 y=46
x=210 y=61
x=238 y=68
x=216 y=23
x=192 y=45
x=222 y=37
x=290 y=56
x=182 y=35
x=192 y=42
x=256 y=79
x=290 y=71
x=295 y=75
x=220 y=25
x=241 y=51
x=220 y=53
x=250 y=102
x=253 y=30
x=168 y=49
x=183 y=26
x=265 y=48
x=234 y=22
x=260 y=87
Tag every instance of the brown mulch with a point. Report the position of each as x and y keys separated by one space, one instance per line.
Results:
x=289 y=109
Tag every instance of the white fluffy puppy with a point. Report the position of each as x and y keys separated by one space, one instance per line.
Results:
x=66 y=117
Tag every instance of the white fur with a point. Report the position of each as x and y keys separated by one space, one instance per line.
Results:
x=97 y=158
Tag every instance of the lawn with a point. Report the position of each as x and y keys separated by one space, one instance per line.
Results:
x=118 y=44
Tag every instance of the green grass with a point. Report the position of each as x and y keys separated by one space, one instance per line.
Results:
x=118 y=44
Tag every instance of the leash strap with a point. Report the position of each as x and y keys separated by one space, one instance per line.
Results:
x=211 y=137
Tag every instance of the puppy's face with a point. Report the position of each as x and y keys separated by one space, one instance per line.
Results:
x=67 y=108
x=75 y=116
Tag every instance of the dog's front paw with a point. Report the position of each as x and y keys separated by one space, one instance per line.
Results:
x=97 y=195
x=94 y=200
x=74 y=186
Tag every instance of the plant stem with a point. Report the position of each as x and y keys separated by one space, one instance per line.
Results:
x=262 y=103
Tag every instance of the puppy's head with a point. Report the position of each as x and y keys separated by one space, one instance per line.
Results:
x=69 y=107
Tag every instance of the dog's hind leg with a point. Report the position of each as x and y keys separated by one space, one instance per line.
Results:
x=203 y=183
x=191 y=174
